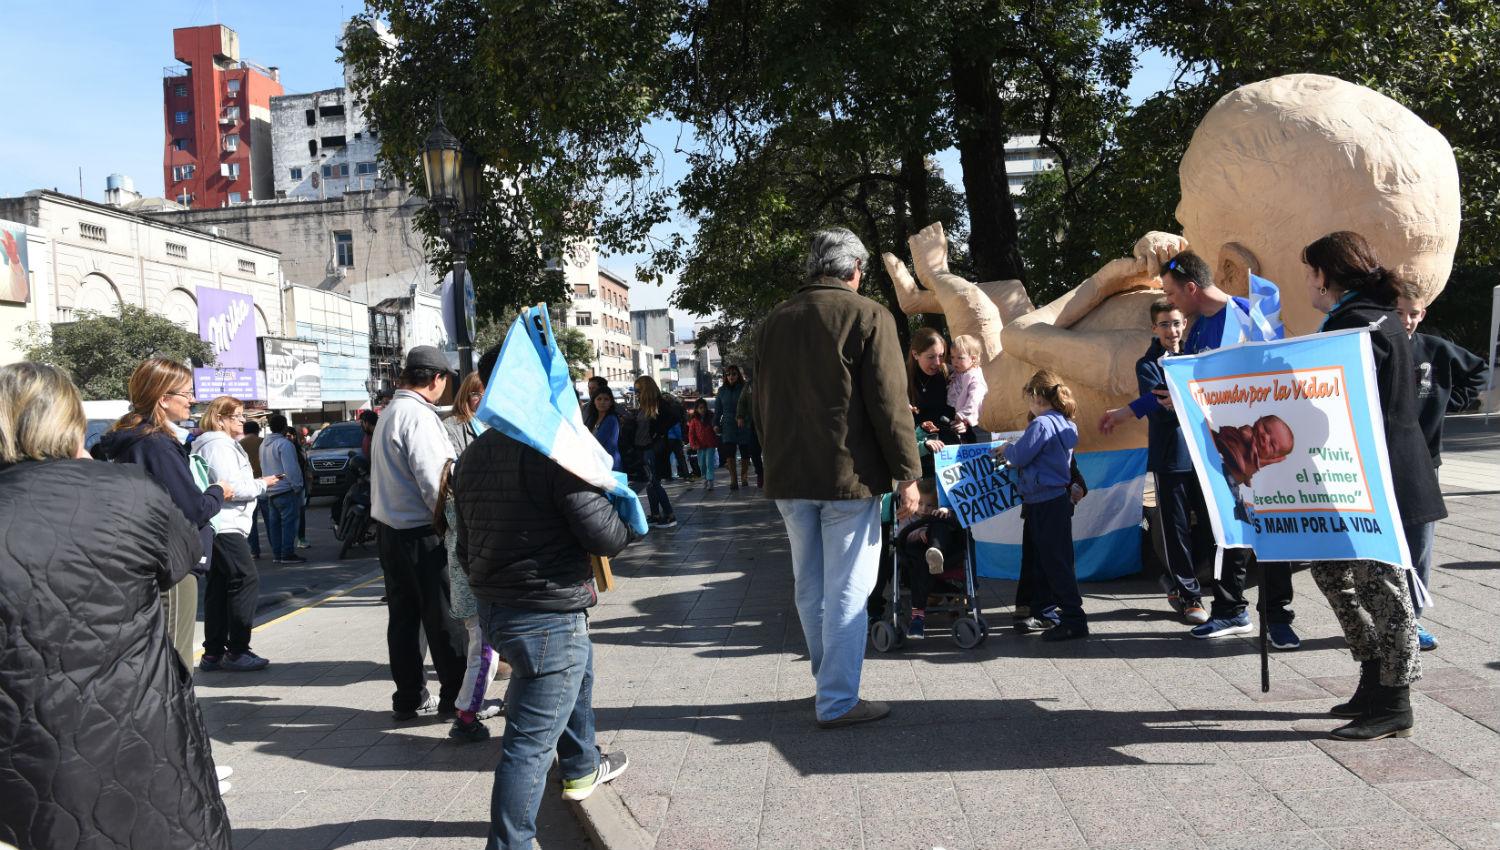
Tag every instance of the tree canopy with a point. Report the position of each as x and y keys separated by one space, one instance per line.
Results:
x=808 y=113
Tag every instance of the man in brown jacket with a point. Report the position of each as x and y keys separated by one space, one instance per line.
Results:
x=836 y=433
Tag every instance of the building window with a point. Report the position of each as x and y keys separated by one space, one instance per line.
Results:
x=334 y=111
x=233 y=86
x=176 y=250
x=364 y=168
x=585 y=319
x=91 y=232
x=232 y=142
x=182 y=172
x=180 y=91
x=179 y=144
x=230 y=115
x=343 y=248
x=235 y=197
x=296 y=174
x=312 y=147
x=337 y=169
x=247 y=266
x=180 y=117
x=332 y=141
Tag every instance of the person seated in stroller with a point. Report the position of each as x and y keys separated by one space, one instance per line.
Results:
x=928 y=545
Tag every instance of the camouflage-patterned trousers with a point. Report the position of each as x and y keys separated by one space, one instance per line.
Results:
x=1373 y=606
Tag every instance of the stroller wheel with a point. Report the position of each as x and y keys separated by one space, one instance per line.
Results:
x=885 y=636
x=968 y=632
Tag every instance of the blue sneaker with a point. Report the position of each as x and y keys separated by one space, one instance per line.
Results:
x=917 y=628
x=1282 y=637
x=1221 y=627
x=1425 y=641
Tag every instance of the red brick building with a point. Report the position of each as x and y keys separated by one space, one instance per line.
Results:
x=217 y=113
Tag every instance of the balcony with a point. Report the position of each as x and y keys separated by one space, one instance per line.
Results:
x=229 y=115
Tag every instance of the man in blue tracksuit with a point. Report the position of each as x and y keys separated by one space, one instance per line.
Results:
x=1187 y=282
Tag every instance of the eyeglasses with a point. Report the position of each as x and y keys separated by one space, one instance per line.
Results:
x=476 y=396
x=238 y=417
x=188 y=394
x=1175 y=324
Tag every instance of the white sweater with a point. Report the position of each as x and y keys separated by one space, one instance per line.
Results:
x=227 y=461
x=407 y=454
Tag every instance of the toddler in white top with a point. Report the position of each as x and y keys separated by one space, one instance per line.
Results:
x=966 y=387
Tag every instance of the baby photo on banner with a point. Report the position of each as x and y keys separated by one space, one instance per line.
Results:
x=1289 y=447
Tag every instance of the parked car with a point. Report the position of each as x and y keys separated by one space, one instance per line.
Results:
x=329 y=458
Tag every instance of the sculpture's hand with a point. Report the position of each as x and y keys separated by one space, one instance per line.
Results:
x=1156 y=248
x=929 y=253
x=911 y=298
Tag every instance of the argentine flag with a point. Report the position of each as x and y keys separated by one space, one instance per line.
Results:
x=1264 y=320
x=1106 y=524
x=530 y=398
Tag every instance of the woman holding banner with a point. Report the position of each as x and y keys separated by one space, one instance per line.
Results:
x=1370 y=598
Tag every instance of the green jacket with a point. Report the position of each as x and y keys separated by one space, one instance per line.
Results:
x=830 y=397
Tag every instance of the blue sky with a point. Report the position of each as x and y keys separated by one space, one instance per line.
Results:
x=85 y=87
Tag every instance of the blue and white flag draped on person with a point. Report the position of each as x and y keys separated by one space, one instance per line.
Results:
x=1264 y=320
x=530 y=398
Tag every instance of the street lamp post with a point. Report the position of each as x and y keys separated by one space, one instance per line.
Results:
x=453 y=188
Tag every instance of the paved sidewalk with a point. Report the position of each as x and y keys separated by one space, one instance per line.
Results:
x=1138 y=737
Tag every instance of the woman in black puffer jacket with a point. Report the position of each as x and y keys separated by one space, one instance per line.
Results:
x=1370 y=598
x=101 y=741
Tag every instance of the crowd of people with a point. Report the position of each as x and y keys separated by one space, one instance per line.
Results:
x=486 y=544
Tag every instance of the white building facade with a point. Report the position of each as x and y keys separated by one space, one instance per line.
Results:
x=83 y=256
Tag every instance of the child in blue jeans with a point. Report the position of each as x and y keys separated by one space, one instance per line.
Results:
x=1042 y=458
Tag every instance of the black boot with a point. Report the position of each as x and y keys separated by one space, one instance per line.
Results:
x=1388 y=716
x=1369 y=677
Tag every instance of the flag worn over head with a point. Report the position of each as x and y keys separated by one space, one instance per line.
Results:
x=1263 y=323
x=530 y=398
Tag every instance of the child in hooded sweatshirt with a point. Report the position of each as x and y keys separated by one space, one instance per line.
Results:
x=1042 y=458
x=966 y=386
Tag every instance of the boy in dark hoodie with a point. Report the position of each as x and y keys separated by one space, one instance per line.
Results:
x=1449 y=380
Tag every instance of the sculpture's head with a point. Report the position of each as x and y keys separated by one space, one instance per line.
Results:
x=1277 y=164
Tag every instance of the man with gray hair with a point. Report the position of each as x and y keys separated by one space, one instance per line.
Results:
x=836 y=433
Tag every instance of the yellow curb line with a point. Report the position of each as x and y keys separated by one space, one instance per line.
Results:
x=315 y=603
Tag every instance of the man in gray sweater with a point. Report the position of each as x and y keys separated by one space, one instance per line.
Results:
x=407 y=452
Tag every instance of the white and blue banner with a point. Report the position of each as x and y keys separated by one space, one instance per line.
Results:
x=530 y=398
x=1106 y=524
x=1289 y=447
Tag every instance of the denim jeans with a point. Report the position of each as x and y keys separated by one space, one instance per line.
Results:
x=282 y=511
x=549 y=706
x=258 y=516
x=707 y=460
x=656 y=495
x=835 y=559
x=1419 y=541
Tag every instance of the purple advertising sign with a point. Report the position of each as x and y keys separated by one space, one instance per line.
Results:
x=226 y=321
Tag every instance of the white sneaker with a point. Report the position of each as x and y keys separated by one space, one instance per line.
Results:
x=934 y=560
x=224 y=788
x=223 y=772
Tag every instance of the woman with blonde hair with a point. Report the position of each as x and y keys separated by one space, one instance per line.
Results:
x=161 y=395
x=654 y=418
x=233 y=585
x=104 y=745
x=462 y=425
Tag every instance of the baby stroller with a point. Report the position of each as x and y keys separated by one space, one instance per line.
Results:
x=953 y=592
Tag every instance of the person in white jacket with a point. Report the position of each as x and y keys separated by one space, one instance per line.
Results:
x=233 y=585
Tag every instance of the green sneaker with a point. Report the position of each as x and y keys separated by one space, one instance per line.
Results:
x=610 y=766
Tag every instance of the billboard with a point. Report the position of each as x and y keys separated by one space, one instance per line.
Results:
x=226 y=321
x=15 y=284
x=294 y=378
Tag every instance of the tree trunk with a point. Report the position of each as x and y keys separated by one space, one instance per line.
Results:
x=914 y=178
x=875 y=272
x=994 y=242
